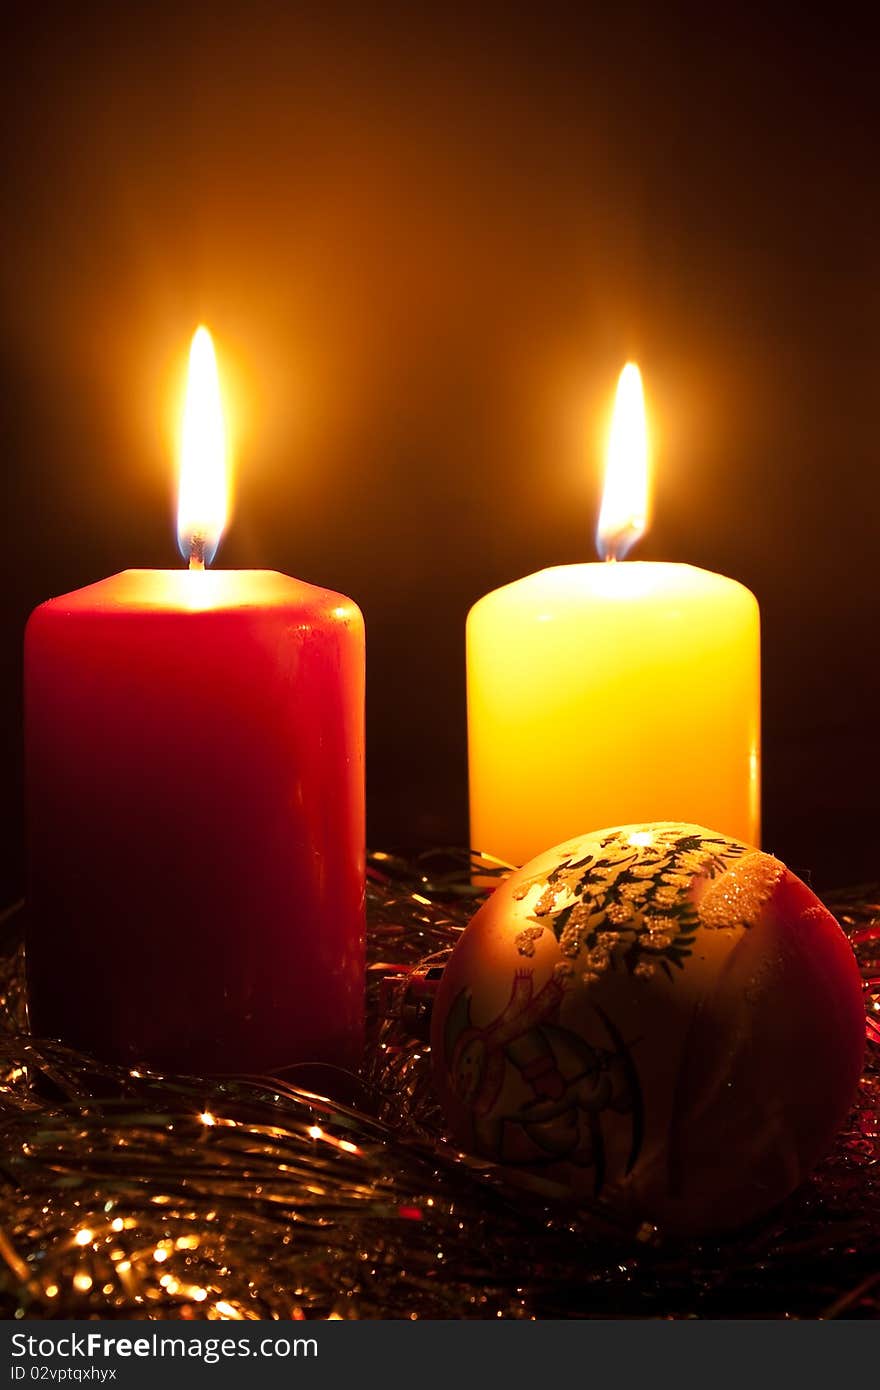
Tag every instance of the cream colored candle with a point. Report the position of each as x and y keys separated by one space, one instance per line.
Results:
x=602 y=694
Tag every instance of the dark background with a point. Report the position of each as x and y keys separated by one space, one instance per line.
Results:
x=426 y=239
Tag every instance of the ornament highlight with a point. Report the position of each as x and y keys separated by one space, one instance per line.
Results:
x=654 y=1018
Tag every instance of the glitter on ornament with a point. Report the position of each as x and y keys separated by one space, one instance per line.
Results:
x=740 y=894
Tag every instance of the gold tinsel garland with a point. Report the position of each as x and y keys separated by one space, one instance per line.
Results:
x=126 y=1194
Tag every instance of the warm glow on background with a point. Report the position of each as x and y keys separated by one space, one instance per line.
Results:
x=203 y=496
x=623 y=517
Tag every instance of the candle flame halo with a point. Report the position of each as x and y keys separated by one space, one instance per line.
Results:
x=623 y=517
x=203 y=489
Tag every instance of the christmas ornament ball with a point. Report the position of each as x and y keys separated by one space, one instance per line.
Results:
x=655 y=1018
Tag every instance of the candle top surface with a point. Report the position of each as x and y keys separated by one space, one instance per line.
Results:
x=203 y=591
x=629 y=581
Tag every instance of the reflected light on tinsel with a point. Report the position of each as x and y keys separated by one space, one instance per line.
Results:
x=127 y=1194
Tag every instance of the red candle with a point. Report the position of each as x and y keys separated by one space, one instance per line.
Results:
x=195 y=787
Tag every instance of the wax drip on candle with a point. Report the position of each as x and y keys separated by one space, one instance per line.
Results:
x=623 y=517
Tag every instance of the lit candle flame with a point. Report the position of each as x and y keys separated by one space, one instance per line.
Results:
x=203 y=496
x=623 y=517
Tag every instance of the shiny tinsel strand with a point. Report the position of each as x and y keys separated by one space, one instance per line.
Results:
x=126 y=1194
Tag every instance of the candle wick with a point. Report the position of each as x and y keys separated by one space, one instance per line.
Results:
x=616 y=545
x=197 y=551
